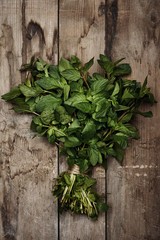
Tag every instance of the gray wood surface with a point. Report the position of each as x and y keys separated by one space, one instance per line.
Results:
x=27 y=166
x=51 y=29
x=134 y=189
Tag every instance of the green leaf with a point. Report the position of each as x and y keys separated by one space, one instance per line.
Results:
x=99 y=85
x=104 y=58
x=28 y=82
x=101 y=144
x=37 y=121
x=71 y=74
x=33 y=126
x=49 y=83
x=118 y=61
x=53 y=72
x=22 y=108
x=51 y=136
x=15 y=92
x=121 y=70
x=100 y=160
x=47 y=116
x=81 y=116
x=83 y=164
x=74 y=126
x=70 y=161
x=93 y=154
x=126 y=118
x=89 y=182
x=150 y=98
x=106 y=64
x=72 y=141
x=102 y=207
x=144 y=114
x=29 y=91
x=98 y=76
x=76 y=63
x=60 y=132
x=80 y=102
x=122 y=108
x=67 y=179
x=127 y=95
x=101 y=109
x=71 y=152
x=116 y=90
x=144 y=84
x=144 y=91
x=50 y=132
x=76 y=87
x=48 y=102
x=26 y=67
x=127 y=129
x=87 y=66
x=19 y=101
x=133 y=132
x=111 y=151
x=40 y=66
x=66 y=92
x=121 y=139
x=32 y=103
x=62 y=116
x=89 y=130
x=119 y=153
x=64 y=64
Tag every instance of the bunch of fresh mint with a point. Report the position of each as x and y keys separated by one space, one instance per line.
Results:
x=87 y=116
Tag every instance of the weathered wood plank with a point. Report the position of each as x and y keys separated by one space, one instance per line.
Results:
x=134 y=189
x=27 y=166
x=82 y=33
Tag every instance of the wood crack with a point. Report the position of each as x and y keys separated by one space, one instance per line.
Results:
x=111 y=25
x=19 y=173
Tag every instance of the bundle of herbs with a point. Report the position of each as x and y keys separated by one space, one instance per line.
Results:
x=87 y=116
x=76 y=193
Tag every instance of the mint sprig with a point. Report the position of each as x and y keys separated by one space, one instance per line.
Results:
x=88 y=116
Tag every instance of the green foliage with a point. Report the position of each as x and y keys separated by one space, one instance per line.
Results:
x=15 y=92
x=71 y=74
x=80 y=116
x=77 y=195
x=88 y=117
x=47 y=102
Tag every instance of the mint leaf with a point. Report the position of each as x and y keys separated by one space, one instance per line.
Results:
x=87 y=66
x=66 y=91
x=30 y=91
x=47 y=116
x=64 y=64
x=80 y=102
x=15 y=92
x=49 y=83
x=93 y=154
x=122 y=69
x=71 y=74
x=102 y=207
x=89 y=130
x=47 y=102
x=62 y=116
x=72 y=141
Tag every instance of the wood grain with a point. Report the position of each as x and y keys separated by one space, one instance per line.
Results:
x=82 y=33
x=132 y=31
x=27 y=166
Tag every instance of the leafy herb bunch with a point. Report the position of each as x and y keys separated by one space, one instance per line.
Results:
x=88 y=117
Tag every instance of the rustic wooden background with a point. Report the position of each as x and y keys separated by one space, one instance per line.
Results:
x=51 y=29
